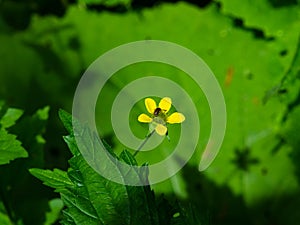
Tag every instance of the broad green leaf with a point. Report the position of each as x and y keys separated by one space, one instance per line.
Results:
x=141 y=198
x=43 y=114
x=10 y=117
x=99 y=200
x=66 y=119
x=56 y=206
x=245 y=66
x=92 y=199
x=290 y=82
x=4 y=219
x=278 y=21
x=213 y=37
x=10 y=148
x=107 y=201
x=56 y=179
x=290 y=127
x=290 y=133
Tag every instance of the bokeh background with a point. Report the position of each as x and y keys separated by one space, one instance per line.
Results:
x=253 y=48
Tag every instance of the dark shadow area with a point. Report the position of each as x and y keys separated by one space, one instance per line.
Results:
x=102 y=8
x=17 y=13
x=257 y=33
x=243 y=159
x=35 y=93
x=226 y=208
x=282 y=3
x=140 y=4
x=295 y=155
x=24 y=196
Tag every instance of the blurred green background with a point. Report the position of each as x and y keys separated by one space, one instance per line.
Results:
x=251 y=46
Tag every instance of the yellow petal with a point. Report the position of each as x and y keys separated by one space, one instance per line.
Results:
x=161 y=129
x=150 y=105
x=143 y=118
x=165 y=104
x=176 y=118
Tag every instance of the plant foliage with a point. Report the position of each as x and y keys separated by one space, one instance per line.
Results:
x=92 y=199
x=10 y=147
x=251 y=46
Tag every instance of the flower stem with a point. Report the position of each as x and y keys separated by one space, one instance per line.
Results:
x=144 y=142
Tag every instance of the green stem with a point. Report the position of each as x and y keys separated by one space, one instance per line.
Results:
x=144 y=142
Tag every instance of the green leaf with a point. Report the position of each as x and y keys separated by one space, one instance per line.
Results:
x=4 y=219
x=290 y=82
x=119 y=198
x=128 y=158
x=141 y=198
x=275 y=21
x=213 y=37
x=29 y=130
x=99 y=199
x=43 y=113
x=56 y=179
x=10 y=148
x=66 y=119
x=56 y=206
x=245 y=65
x=290 y=134
x=92 y=199
x=10 y=117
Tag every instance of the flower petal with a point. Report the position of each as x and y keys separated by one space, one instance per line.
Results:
x=143 y=118
x=150 y=105
x=165 y=104
x=161 y=129
x=176 y=118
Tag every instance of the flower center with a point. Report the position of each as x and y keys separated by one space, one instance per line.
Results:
x=160 y=116
x=159 y=120
x=157 y=111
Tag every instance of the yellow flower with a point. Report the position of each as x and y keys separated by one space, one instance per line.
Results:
x=159 y=117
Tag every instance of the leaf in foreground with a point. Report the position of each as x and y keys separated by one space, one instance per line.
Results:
x=10 y=147
x=91 y=199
